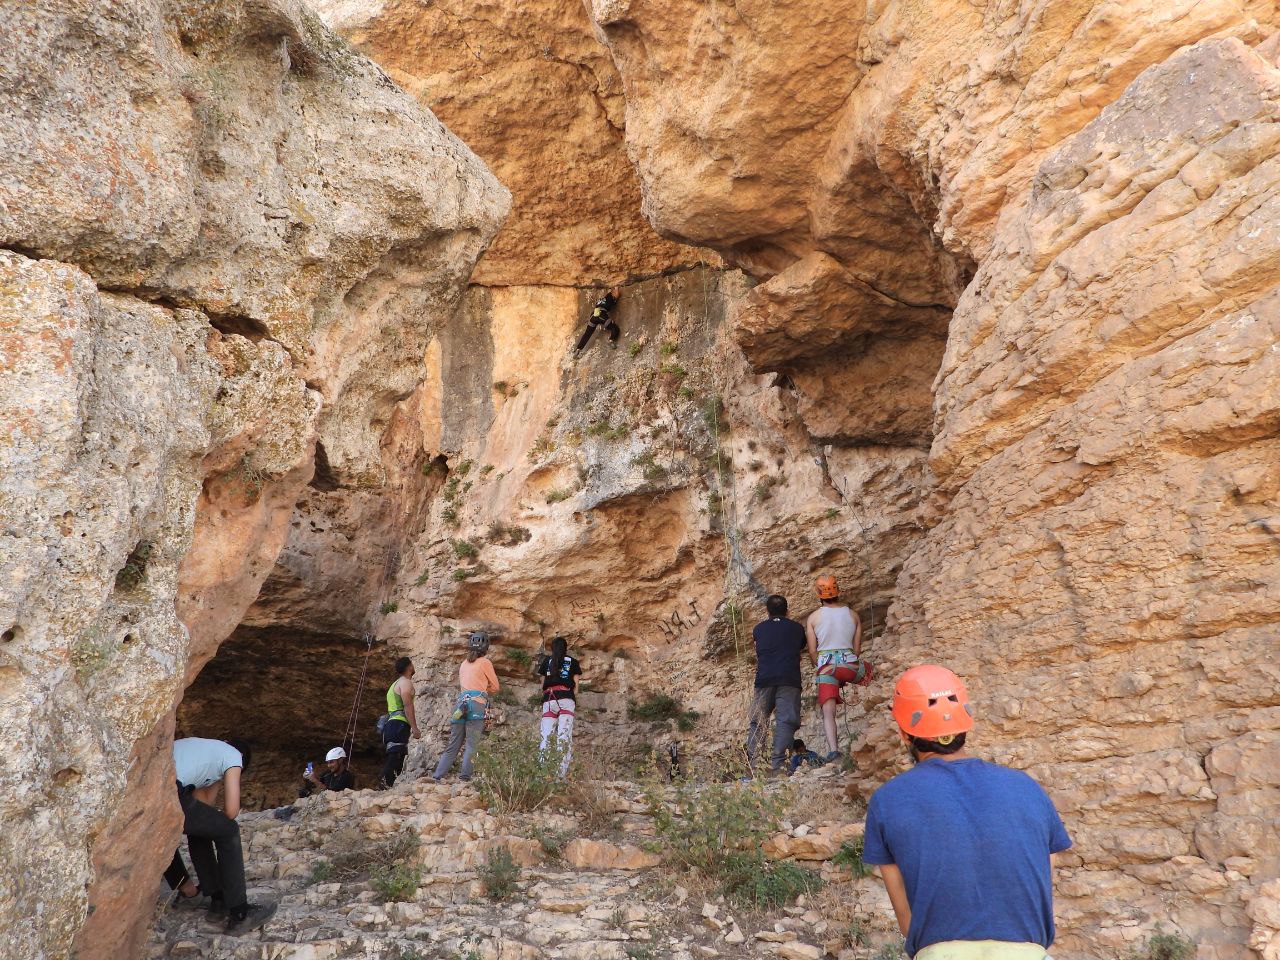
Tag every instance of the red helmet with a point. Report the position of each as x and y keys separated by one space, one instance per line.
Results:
x=932 y=703
x=828 y=589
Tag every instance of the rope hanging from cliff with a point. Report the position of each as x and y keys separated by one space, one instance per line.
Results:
x=369 y=637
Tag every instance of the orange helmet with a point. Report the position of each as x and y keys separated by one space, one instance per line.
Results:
x=932 y=703
x=828 y=589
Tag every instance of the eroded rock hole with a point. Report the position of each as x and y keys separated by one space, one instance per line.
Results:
x=289 y=693
x=134 y=571
x=324 y=478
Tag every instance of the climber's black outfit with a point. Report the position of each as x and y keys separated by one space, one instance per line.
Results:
x=600 y=318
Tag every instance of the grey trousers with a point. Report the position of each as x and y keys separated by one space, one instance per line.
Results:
x=471 y=732
x=783 y=703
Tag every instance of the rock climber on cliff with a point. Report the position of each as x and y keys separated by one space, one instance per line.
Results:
x=965 y=847
x=601 y=316
x=202 y=767
x=401 y=722
x=834 y=633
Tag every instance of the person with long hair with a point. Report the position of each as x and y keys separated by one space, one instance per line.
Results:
x=560 y=673
x=479 y=682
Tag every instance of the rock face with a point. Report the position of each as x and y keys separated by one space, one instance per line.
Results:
x=205 y=271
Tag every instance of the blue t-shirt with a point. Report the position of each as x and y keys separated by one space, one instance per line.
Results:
x=779 y=643
x=198 y=762
x=972 y=840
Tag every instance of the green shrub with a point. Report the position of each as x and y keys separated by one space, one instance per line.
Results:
x=559 y=494
x=674 y=369
x=500 y=874
x=717 y=830
x=464 y=468
x=395 y=882
x=450 y=515
x=464 y=549
x=514 y=775
x=389 y=607
x=508 y=535
x=849 y=857
x=462 y=574
x=552 y=842
x=658 y=707
x=1165 y=946
x=322 y=872
x=635 y=348
x=422 y=578
x=519 y=657
x=486 y=469
x=752 y=881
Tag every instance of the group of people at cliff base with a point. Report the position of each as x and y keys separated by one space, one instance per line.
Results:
x=478 y=684
x=965 y=848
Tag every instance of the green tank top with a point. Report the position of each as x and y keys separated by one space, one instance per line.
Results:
x=395 y=704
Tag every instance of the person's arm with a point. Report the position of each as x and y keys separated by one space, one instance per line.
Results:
x=491 y=676
x=897 y=891
x=857 y=635
x=231 y=792
x=812 y=638
x=406 y=697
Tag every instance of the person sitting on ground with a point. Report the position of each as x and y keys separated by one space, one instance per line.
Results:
x=780 y=642
x=965 y=847
x=401 y=723
x=834 y=633
x=479 y=682
x=202 y=767
x=336 y=777
x=560 y=673
x=601 y=317
x=800 y=755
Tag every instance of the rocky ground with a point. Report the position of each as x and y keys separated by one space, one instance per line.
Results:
x=590 y=883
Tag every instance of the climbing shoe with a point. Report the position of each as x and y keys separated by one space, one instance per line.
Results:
x=198 y=902
x=250 y=917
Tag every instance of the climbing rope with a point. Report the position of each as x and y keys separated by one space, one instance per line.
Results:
x=369 y=637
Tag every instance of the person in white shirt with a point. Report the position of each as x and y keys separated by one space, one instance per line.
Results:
x=834 y=633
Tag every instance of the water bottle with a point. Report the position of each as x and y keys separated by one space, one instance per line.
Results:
x=310 y=768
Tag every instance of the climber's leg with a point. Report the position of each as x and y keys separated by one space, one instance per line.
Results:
x=786 y=723
x=474 y=733
x=761 y=710
x=829 y=726
x=457 y=731
x=614 y=332
x=586 y=336
x=564 y=734
x=395 y=736
x=222 y=873
x=547 y=725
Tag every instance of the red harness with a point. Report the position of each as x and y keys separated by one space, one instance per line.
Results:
x=551 y=707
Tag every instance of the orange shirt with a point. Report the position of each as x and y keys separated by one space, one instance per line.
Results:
x=478 y=675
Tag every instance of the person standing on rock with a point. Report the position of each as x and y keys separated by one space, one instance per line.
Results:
x=834 y=633
x=201 y=767
x=401 y=723
x=601 y=317
x=479 y=682
x=560 y=673
x=780 y=642
x=965 y=847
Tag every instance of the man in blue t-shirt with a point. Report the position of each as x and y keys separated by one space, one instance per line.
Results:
x=779 y=644
x=965 y=847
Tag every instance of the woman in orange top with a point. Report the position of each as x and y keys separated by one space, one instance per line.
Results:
x=478 y=681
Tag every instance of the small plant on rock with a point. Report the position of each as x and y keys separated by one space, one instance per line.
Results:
x=500 y=874
x=518 y=657
x=322 y=872
x=890 y=951
x=389 y=607
x=849 y=857
x=465 y=549
x=1165 y=946
x=397 y=882
x=660 y=706
x=462 y=574
x=514 y=775
x=135 y=566
x=552 y=842
x=753 y=881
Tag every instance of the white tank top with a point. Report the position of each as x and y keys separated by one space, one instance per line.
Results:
x=834 y=628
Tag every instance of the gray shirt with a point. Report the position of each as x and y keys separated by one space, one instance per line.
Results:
x=200 y=762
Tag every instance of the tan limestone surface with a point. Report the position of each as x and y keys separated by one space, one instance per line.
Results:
x=528 y=87
x=204 y=271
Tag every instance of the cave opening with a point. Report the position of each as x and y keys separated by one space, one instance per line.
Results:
x=289 y=694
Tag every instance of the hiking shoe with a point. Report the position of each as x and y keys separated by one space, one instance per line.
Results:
x=833 y=756
x=199 y=902
x=256 y=914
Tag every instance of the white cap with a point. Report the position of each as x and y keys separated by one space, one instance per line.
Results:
x=337 y=753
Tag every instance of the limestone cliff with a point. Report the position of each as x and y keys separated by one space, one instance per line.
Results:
x=206 y=270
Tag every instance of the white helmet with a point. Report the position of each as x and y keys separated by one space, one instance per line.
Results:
x=337 y=753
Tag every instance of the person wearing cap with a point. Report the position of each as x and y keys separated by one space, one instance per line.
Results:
x=337 y=776
x=478 y=682
x=834 y=633
x=965 y=847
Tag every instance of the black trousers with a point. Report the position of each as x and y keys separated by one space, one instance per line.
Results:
x=213 y=840
x=614 y=332
x=176 y=874
x=395 y=735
